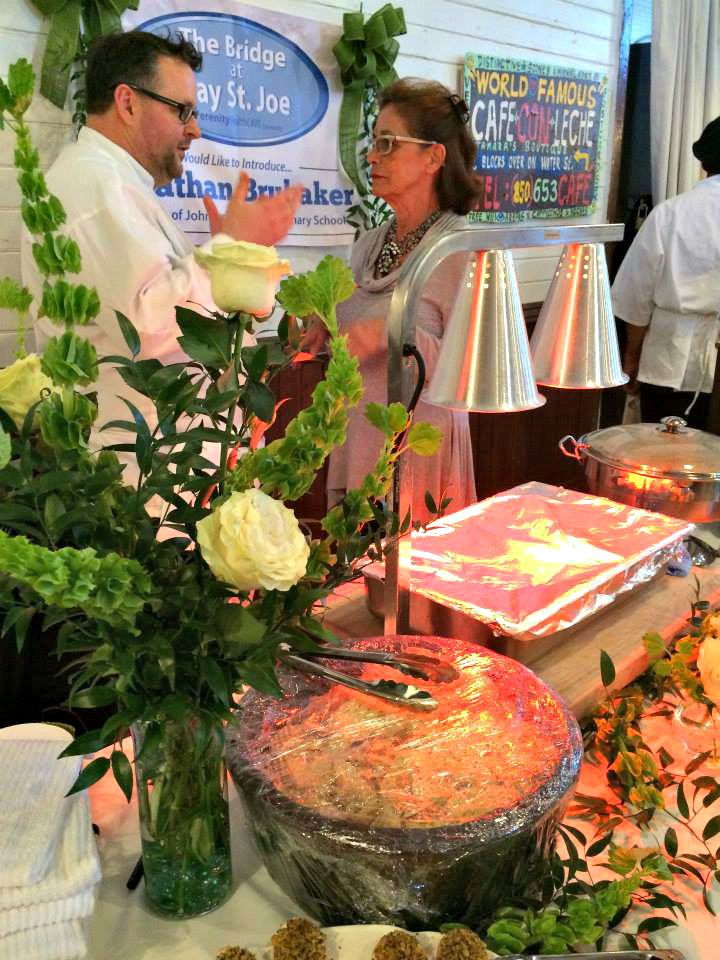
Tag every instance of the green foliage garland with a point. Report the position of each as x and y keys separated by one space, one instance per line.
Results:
x=366 y=54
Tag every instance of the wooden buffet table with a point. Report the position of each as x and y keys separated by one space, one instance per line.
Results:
x=123 y=929
x=572 y=667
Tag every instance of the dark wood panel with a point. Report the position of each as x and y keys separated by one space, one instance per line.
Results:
x=508 y=448
x=513 y=448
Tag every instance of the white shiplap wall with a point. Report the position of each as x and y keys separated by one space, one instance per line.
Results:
x=581 y=33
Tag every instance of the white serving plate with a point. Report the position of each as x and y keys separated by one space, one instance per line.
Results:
x=355 y=942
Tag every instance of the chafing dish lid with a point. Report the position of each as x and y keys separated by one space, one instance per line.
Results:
x=667 y=449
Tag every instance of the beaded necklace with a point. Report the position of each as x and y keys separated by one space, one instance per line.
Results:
x=394 y=250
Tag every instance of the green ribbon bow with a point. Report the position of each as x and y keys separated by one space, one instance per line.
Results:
x=366 y=53
x=67 y=18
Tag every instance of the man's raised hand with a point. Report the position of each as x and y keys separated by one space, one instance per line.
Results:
x=266 y=220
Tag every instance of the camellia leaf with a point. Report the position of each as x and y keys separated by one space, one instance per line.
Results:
x=671 y=842
x=260 y=674
x=87 y=743
x=93 y=772
x=712 y=827
x=682 y=802
x=607 y=669
x=239 y=627
x=130 y=334
x=122 y=772
x=205 y=339
x=260 y=400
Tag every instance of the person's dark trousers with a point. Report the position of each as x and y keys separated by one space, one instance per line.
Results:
x=658 y=402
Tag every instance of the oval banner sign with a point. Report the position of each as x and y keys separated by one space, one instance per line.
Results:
x=256 y=87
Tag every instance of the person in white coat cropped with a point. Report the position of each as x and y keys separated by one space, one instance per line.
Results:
x=668 y=293
x=142 y=117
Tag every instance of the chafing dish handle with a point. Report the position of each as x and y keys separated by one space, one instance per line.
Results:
x=577 y=448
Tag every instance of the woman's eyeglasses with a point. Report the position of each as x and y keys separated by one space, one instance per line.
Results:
x=185 y=111
x=385 y=142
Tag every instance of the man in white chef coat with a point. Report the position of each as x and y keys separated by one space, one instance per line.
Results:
x=142 y=117
x=668 y=293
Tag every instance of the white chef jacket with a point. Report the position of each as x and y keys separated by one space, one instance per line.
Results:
x=138 y=260
x=670 y=279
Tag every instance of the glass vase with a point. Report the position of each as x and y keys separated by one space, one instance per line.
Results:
x=184 y=823
x=699 y=730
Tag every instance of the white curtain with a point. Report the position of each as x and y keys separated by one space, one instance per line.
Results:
x=684 y=89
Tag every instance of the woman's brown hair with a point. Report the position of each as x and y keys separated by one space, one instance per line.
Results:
x=432 y=112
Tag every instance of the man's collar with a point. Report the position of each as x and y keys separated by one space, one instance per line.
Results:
x=88 y=136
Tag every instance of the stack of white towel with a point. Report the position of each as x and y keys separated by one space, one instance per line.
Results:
x=49 y=864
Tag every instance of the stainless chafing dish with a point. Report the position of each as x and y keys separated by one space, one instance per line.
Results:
x=667 y=468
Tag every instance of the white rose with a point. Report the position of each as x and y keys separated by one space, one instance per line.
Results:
x=254 y=541
x=709 y=667
x=243 y=276
x=20 y=386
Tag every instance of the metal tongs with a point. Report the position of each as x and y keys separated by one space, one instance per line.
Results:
x=603 y=955
x=415 y=665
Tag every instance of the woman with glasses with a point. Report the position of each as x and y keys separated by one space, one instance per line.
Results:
x=422 y=159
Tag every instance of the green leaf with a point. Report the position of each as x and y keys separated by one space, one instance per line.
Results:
x=86 y=743
x=205 y=339
x=13 y=296
x=430 y=502
x=260 y=400
x=260 y=674
x=255 y=360
x=706 y=901
x=93 y=772
x=21 y=82
x=216 y=680
x=671 y=842
x=19 y=619
x=651 y=924
x=377 y=415
x=123 y=772
x=93 y=697
x=424 y=439
x=239 y=628
x=595 y=848
x=130 y=334
x=607 y=669
x=711 y=828
x=682 y=803
x=319 y=291
x=53 y=509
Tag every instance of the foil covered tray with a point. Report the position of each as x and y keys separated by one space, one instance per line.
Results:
x=531 y=561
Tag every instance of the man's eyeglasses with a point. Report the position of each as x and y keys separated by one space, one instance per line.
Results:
x=185 y=111
x=385 y=142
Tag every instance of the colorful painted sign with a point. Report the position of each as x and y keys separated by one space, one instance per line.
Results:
x=268 y=99
x=538 y=130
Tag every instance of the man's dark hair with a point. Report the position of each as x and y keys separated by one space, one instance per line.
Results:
x=129 y=58
x=707 y=148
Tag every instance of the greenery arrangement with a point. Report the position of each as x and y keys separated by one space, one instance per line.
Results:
x=162 y=629
x=576 y=911
x=366 y=54
x=73 y=25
